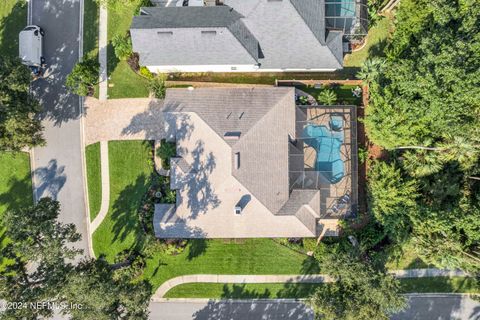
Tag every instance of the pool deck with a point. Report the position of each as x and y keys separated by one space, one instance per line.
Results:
x=333 y=191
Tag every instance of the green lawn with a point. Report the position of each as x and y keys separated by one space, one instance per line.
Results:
x=344 y=94
x=130 y=168
x=376 y=40
x=13 y=18
x=94 y=179
x=123 y=82
x=15 y=187
x=274 y=290
x=90 y=30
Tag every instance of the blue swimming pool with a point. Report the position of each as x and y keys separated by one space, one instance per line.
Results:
x=327 y=144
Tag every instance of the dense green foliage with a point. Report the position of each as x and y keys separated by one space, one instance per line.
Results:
x=43 y=271
x=84 y=76
x=19 y=127
x=122 y=46
x=425 y=108
x=157 y=86
x=359 y=291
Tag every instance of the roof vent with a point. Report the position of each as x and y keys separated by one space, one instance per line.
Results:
x=165 y=34
x=232 y=135
x=237 y=160
x=209 y=33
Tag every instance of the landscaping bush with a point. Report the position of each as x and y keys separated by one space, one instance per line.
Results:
x=165 y=152
x=327 y=97
x=146 y=73
x=122 y=46
x=157 y=86
x=84 y=76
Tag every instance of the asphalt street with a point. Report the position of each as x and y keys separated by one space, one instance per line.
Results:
x=421 y=307
x=57 y=167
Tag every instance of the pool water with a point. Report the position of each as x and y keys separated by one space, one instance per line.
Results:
x=327 y=144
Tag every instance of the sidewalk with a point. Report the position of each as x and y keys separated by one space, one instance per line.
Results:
x=312 y=278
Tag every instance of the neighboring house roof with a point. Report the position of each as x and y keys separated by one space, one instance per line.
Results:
x=288 y=34
x=262 y=119
x=187 y=35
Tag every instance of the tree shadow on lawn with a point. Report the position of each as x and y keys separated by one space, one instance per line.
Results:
x=238 y=291
x=15 y=197
x=125 y=211
x=10 y=27
x=197 y=248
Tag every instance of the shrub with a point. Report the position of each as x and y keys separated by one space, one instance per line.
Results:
x=146 y=73
x=84 y=76
x=166 y=151
x=157 y=86
x=122 y=46
x=327 y=97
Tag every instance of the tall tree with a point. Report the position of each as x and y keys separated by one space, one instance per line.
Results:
x=43 y=271
x=84 y=76
x=18 y=126
x=358 y=292
x=391 y=198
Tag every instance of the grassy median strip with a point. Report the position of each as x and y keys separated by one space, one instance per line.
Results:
x=94 y=179
x=304 y=290
x=15 y=188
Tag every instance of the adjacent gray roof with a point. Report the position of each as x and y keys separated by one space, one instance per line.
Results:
x=288 y=34
x=184 y=40
x=264 y=117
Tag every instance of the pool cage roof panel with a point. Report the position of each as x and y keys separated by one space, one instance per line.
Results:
x=349 y=16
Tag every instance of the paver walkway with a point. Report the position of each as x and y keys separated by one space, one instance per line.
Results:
x=102 y=54
x=105 y=187
x=311 y=278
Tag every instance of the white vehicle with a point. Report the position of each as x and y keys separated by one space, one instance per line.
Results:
x=190 y=3
x=31 y=48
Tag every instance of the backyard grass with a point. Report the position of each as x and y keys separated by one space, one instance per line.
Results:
x=94 y=179
x=13 y=18
x=344 y=93
x=376 y=41
x=130 y=168
x=123 y=81
x=299 y=291
x=15 y=188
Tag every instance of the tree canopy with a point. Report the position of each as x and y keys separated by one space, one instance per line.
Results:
x=44 y=271
x=359 y=291
x=425 y=108
x=84 y=76
x=18 y=126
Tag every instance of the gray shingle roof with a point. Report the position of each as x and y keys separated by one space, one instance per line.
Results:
x=264 y=116
x=313 y=13
x=194 y=18
x=287 y=34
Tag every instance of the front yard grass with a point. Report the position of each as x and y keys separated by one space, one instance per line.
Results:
x=123 y=81
x=13 y=18
x=301 y=291
x=15 y=188
x=94 y=179
x=131 y=166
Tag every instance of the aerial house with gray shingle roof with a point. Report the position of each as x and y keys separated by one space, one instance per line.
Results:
x=238 y=36
x=245 y=169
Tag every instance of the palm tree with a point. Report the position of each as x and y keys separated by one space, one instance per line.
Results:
x=327 y=97
x=371 y=69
